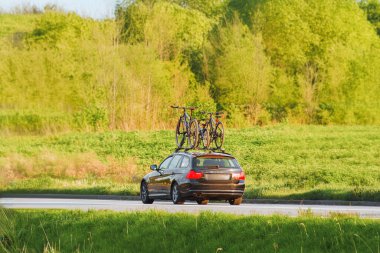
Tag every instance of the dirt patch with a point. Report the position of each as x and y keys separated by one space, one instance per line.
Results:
x=67 y=166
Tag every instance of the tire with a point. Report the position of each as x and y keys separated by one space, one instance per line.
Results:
x=202 y=201
x=205 y=139
x=210 y=132
x=175 y=194
x=144 y=194
x=235 y=202
x=193 y=133
x=180 y=133
x=219 y=135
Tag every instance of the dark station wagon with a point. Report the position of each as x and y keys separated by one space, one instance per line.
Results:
x=195 y=176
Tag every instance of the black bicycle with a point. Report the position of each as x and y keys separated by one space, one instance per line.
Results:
x=204 y=135
x=215 y=129
x=187 y=129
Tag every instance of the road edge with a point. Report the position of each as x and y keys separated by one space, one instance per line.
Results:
x=251 y=201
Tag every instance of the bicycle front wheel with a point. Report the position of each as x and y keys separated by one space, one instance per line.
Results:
x=180 y=133
x=193 y=133
x=219 y=135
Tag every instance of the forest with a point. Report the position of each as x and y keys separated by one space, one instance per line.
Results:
x=262 y=62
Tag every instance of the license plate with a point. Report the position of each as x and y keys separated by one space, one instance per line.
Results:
x=219 y=177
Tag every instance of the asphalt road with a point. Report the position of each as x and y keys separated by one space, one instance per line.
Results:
x=188 y=207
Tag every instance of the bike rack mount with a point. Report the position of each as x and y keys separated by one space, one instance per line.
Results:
x=209 y=150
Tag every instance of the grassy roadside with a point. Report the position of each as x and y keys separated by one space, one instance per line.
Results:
x=283 y=161
x=101 y=231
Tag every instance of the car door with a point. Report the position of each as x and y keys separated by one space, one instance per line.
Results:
x=168 y=174
x=155 y=188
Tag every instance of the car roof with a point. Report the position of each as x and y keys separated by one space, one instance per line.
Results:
x=199 y=154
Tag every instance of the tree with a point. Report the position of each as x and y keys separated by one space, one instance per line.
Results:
x=312 y=41
x=372 y=10
x=242 y=72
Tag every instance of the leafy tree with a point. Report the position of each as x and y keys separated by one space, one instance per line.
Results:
x=372 y=9
x=176 y=29
x=212 y=8
x=298 y=61
x=241 y=71
x=312 y=42
x=80 y=69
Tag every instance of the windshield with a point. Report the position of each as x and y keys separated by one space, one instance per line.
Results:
x=221 y=162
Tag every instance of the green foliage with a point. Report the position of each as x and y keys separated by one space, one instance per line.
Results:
x=29 y=122
x=261 y=61
x=169 y=28
x=212 y=8
x=77 y=231
x=241 y=72
x=372 y=9
x=134 y=18
x=11 y=23
x=78 y=68
x=323 y=48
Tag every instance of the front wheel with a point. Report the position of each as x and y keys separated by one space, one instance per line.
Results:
x=144 y=194
x=180 y=133
x=219 y=135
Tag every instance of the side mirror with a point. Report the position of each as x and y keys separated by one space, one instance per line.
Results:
x=153 y=167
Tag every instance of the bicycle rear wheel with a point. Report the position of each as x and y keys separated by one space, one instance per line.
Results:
x=180 y=133
x=193 y=133
x=205 y=138
x=210 y=131
x=219 y=135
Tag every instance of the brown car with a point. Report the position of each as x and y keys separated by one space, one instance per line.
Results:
x=195 y=176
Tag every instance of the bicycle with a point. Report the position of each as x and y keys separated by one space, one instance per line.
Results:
x=203 y=136
x=187 y=128
x=215 y=128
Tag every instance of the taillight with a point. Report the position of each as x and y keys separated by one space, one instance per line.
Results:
x=239 y=176
x=194 y=175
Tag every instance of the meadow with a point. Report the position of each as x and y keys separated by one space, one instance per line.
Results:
x=105 y=231
x=281 y=161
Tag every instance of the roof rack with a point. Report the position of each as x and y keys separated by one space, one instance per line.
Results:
x=215 y=150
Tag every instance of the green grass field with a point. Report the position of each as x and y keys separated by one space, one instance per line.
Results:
x=101 y=231
x=283 y=161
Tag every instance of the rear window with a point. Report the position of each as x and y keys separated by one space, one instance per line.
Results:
x=221 y=162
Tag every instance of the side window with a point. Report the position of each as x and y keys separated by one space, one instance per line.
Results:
x=185 y=162
x=175 y=161
x=164 y=165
